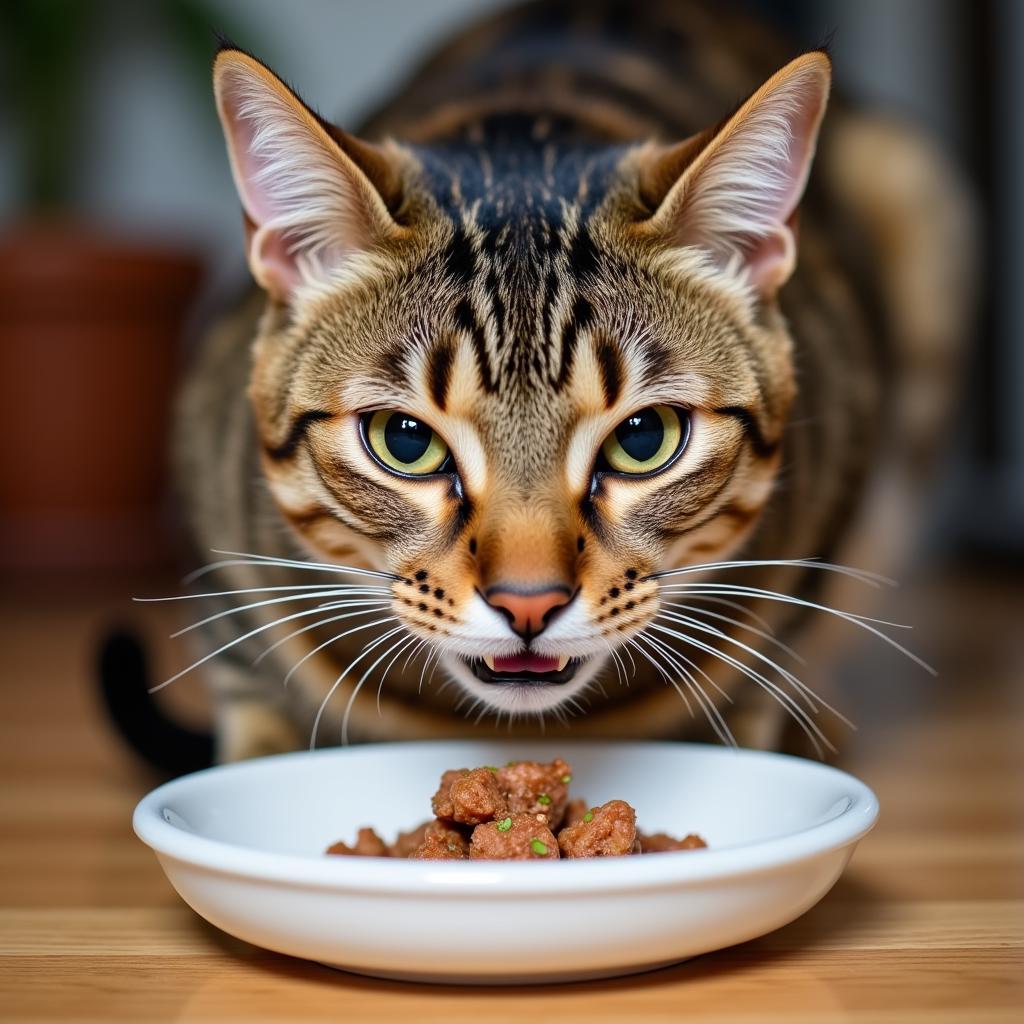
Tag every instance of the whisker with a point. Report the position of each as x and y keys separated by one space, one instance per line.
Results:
x=414 y=652
x=741 y=625
x=433 y=655
x=863 y=575
x=711 y=713
x=619 y=667
x=332 y=640
x=736 y=606
x=634 y=641
x=412 y=641
x=249 y=558
x=238 y=609
x=433 y=672
x=341 y=676
x=740 y=590
x=400 y=643
x=814 y=701
x=235 y=642
x=340 y=587
x=708 y=706
x=629 y=654
x=863 y=621
x=369 y=610
x=799 y=714
x=693 y=665
x=811 y=698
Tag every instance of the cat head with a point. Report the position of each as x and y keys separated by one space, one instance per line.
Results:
x=521 y=372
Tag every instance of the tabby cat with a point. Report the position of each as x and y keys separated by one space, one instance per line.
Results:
x=537 y=336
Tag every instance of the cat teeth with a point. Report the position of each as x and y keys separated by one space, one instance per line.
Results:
x=489 y=661
x=562 y=662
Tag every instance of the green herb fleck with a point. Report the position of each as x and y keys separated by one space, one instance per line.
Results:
x=544 y=799
x=588 y=817
x=491 y=768
x=567 y=779
x=505 y=824
x=538 y=847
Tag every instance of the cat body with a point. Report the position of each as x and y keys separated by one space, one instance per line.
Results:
x=521 y=259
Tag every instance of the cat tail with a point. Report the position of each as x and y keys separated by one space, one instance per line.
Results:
x=921 y=215
x=166 y=744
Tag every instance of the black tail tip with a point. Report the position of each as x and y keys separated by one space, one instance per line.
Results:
x=167 y=745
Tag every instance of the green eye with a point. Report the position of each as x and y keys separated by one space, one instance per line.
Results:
x=404 y=443
x=646 y=440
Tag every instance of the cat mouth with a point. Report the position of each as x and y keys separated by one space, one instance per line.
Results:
x=524 y=669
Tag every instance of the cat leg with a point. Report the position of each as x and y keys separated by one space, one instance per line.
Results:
x=251 y=719
x=759 y=721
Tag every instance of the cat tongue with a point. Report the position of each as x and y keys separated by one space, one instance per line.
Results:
x=526 y=662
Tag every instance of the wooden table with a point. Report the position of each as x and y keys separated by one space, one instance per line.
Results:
x=927 y=926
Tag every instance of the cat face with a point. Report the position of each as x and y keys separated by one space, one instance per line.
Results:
x=520 y=373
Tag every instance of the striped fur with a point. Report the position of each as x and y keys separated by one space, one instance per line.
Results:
x=499 y=276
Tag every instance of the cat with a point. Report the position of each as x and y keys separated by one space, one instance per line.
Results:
x=538 y=334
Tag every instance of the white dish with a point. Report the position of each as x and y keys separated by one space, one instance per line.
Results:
x=243 y=845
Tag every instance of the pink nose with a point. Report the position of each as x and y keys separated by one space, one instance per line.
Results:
x=529 y=612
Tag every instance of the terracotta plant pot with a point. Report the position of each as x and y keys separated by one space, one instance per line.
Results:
x=89 y=352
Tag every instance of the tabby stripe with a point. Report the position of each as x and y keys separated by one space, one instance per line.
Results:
x=441 y=359
x=497 y=305
x=303 y=520
x=366 y=505
x=610 y=364
x=296 y=435
x=582 y=254
x=581 y=315
x=460 y=260
x=466 y=320
x=761 y=445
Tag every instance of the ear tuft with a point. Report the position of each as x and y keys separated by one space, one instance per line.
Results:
x=308 y=206
x=739 y=187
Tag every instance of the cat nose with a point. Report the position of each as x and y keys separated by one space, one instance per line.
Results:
x=528 y=611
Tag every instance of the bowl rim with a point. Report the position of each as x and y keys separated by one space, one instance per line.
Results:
x=501 y=878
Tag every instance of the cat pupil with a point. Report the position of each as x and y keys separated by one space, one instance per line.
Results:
x=407 y=439
x=641 y=434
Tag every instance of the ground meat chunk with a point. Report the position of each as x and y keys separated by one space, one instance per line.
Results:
x=441 y=842
x=515 y=813
x=535 y=788
x=660 y=842
x=441 y=801
x=518 y=836
x=574 y=811
x=368 y=844
x=610 y=832
x=409 y=842
x=475 y=797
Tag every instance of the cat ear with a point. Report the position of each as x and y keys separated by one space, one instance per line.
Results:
x=733 y=191
x=313 y=196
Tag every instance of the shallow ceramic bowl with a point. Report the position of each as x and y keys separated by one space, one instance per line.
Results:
x=243 y=845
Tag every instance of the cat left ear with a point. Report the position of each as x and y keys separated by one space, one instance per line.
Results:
x=313 y=196
x=734 y=192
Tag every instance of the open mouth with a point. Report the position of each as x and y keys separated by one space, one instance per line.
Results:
x=525 y=669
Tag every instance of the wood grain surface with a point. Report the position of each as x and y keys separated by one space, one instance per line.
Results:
x=926 y=927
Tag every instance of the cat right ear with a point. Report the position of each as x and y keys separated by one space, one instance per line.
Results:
x=313 y=197
x=733 y=192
